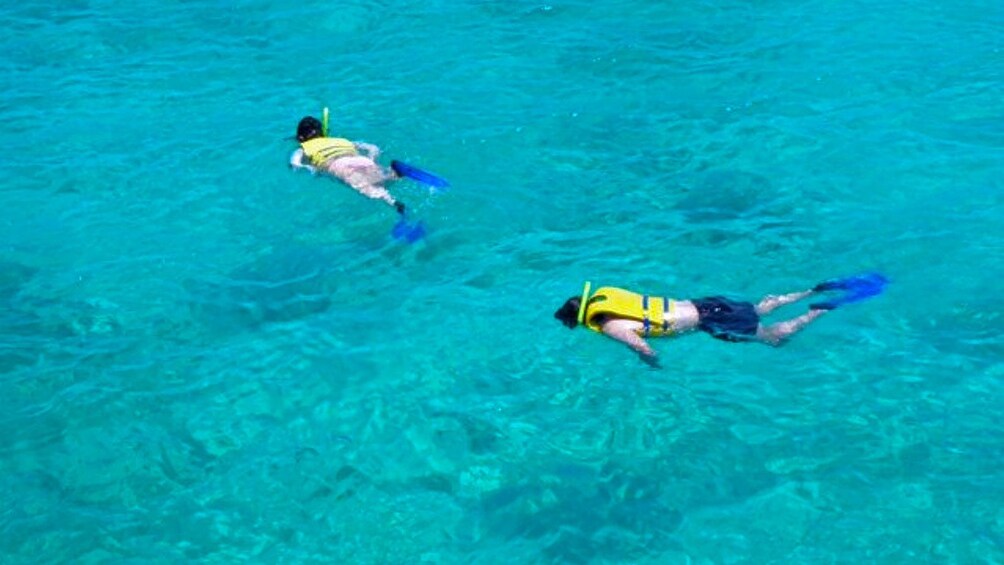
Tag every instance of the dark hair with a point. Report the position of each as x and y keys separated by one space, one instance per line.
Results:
x=568 y=314
x=309 y=128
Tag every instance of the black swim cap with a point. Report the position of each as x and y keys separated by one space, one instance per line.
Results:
x=309 y=128
x=568 y=314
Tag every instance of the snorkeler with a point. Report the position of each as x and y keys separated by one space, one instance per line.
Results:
x=343 y=159
x=629 y=317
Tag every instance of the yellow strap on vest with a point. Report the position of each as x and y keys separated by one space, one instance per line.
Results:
x=583 y=301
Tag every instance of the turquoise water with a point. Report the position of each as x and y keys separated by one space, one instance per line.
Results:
x=209 y=358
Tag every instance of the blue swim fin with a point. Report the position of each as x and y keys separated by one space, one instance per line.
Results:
x=856 y=289
x=409 y=233
x=416 y=174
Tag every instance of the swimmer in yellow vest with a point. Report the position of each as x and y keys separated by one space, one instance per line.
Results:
x=344 y=160
x=629 y=317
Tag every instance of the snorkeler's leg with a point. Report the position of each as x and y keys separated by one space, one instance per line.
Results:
x=777 y=334
x=358 y=169
x=374 y=191
x=772 y=302
x=389 y=175
x=364 y=176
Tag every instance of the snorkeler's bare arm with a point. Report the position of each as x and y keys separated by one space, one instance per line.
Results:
x=372 y=151
x=296 y=161
x=624 y=332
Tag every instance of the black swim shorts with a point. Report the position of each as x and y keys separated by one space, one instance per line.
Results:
x=727 y=319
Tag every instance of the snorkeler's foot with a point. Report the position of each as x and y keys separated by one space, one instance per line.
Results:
x=828 y=285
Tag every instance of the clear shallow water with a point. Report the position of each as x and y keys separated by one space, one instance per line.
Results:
x=207 y=357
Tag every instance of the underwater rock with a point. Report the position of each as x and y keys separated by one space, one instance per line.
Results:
x=12 y=277
x=725 y=195
x=282 y=286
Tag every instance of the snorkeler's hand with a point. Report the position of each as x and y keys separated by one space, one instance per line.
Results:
x=372 y=151
x=296 y=162
x=647 y=355
x=310 y=169
x=650 y=359
x=399 y=206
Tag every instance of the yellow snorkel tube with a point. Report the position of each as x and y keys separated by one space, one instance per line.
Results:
x=582 y=302
x=324 y=122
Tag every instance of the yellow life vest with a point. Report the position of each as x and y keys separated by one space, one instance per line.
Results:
x=323 y=149
x=651 y=311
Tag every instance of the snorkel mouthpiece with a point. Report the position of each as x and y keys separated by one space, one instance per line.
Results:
x=582 y=302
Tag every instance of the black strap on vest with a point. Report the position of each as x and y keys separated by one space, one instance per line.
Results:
x=644 y=308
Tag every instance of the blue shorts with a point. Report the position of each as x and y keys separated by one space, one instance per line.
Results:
x=727 y=319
